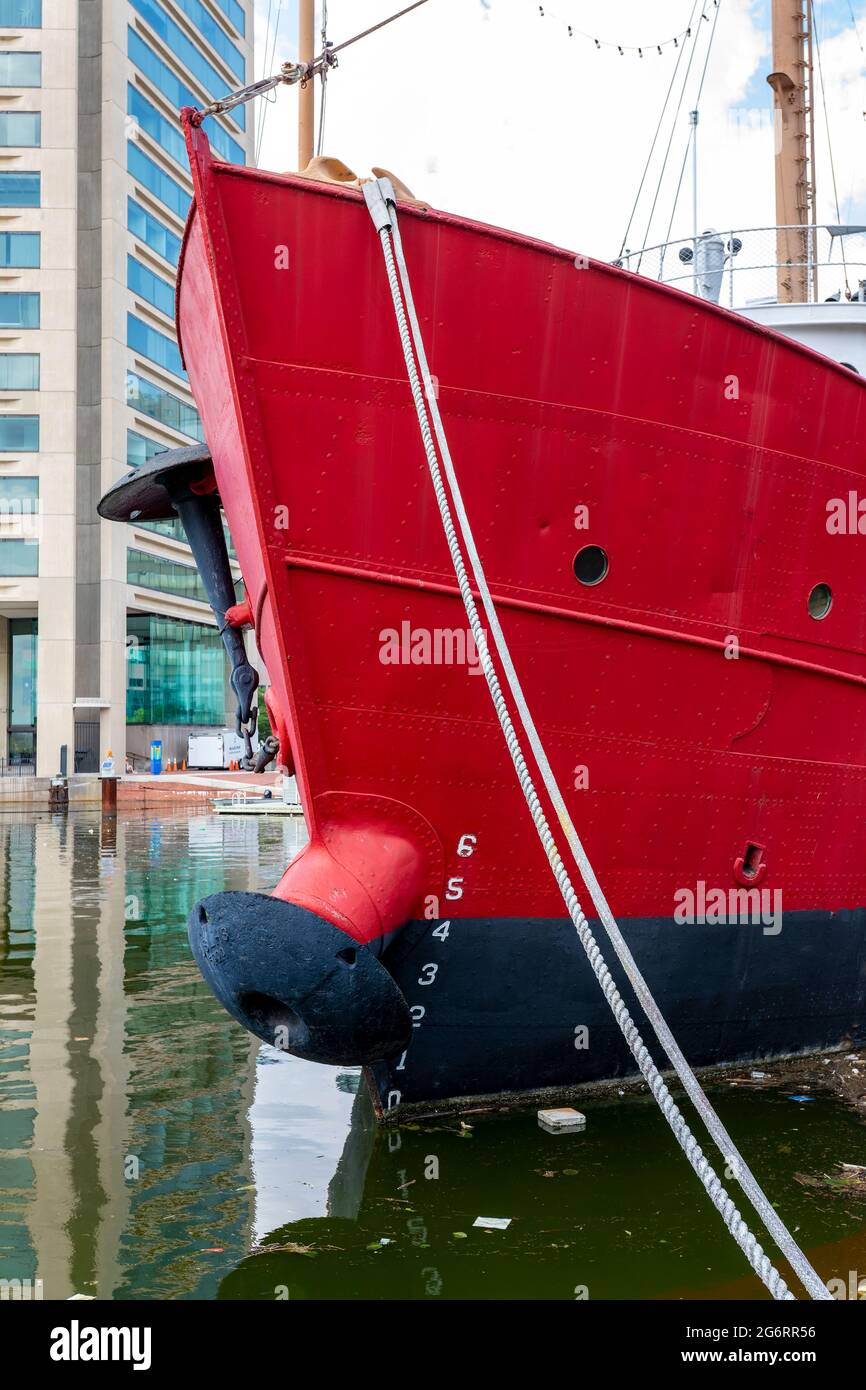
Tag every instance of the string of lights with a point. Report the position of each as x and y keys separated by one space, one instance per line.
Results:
x=624 y=49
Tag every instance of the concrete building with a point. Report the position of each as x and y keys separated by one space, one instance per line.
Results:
x=105 y=635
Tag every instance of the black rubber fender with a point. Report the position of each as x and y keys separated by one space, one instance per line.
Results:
x=298 y=982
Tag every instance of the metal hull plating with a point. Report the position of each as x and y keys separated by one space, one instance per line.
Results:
x=708 y=730
x=514 y=1008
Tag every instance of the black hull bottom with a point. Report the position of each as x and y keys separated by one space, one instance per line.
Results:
x=512 y=1007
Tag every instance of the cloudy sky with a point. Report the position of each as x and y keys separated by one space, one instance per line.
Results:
x=487 y=108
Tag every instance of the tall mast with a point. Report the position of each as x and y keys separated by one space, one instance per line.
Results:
x=306 y=106
x=791 y=81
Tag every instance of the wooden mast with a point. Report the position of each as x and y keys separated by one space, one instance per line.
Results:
x=791 y=81
x=306 y=105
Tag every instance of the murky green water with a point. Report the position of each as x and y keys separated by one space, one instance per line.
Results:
x=150 y=1149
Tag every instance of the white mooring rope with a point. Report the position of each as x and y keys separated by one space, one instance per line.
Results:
x=381 y=203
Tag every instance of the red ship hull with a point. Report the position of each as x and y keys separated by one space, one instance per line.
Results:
x=712 y=730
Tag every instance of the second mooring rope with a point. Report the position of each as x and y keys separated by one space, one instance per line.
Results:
x=380 y=201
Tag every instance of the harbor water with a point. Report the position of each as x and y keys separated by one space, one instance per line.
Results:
x=150 y=1149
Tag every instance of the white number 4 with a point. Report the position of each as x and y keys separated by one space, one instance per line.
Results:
x=442 y=931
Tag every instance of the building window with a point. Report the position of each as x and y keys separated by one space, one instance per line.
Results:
x=22 y=689
x=19 y=371
x=19 y=434
x=27 y=14
x=19 y=189
x=20 y=69
x=170 y=527
x=215 y=35
x=19 y=310
x=177 y=94
x=161 y=405
x=140 y=449
x=146 y=285
x=19 y=558
x=232 y=10
x=19 y=496
x=176 y=672
x=148 y=229
x=161 y=350
x=141 y=167
x=20 y=128
x=148 y=119
x=167 y=576
x=20 y=250
x=19 y=515
x=188 y=55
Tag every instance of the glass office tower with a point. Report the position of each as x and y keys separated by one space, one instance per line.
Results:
x=94 y=190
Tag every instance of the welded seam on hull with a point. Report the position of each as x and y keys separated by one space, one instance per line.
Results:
x=298 y=560
x=381 y=204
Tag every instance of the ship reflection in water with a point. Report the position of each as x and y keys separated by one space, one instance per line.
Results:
x=150 y=1149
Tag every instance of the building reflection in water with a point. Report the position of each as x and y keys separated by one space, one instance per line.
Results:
x=142 y=1150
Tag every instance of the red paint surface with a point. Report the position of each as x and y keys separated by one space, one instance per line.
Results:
x=559 y=387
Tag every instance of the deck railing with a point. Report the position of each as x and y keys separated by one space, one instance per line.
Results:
x=761 y=265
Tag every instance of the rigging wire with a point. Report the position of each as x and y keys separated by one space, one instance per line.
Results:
x=657 y=132
x=856 y=30
x=693 y=130
x=269 y=62
x=692 y=53
x=829 y=145
x=622 y=48
x=324 y=78
x=267 y=39
x=260 y=111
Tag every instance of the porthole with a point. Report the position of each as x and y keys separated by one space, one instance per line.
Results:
x=590 y=565
x=820 y=601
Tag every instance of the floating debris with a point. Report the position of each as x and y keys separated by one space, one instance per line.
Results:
x=564 y=1120
x=851 y=1182
x=290 y=1248
x=492 y=1223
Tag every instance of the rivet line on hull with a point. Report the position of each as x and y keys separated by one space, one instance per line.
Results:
x=380 y=200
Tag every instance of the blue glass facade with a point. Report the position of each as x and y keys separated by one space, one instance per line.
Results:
x=178 y=52
x=147 y=118
x=21 y=128
x=178 y=94
x=146 y=285
x=175 y=672
x=19 y=434
x=19 y=371
x=149 y=399
x=20 y=189
x=19 y=310
x=20 y=249
x=156 y=181
x=190 y=56
x=20 y=69
x=140 y=449
x=26 y=14
x=233 y=12
x=151 y=231
x=156 y=346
